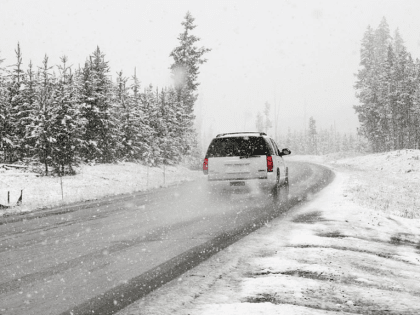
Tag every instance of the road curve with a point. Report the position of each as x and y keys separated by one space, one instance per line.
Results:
x=101 y=256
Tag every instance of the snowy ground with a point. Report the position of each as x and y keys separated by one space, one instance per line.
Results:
x=91 y=182
x=353 y=249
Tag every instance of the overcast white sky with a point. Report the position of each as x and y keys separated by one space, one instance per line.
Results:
x=289 y=52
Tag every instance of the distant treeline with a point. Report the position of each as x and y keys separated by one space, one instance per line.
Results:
x=59 y=118
x=388 y=88
x=311 y=140
x=319 y=142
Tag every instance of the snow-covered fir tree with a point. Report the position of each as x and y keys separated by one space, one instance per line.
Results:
x=60 y=119
x=101 y=134
x=127 y=128
x=15 y=128
x=6 y=143
x=28 y=93
x=142 y=137
x=40 y=131
x=185 y=69
x=151 y=112
x=68 y=125
x=387 y=87
x=312 y=139
x=259 y=122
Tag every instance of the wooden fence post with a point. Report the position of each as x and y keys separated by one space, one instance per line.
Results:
x=61 y=183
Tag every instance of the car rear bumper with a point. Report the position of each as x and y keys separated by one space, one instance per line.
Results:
x=266 y=181
x=268 y=176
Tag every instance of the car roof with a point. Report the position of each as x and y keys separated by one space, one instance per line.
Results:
x=242 y=134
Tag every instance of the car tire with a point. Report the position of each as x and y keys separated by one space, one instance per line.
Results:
x=285 y=188
x=285 y=193
x=276 y=190
x=280 y=192
x=286 y=185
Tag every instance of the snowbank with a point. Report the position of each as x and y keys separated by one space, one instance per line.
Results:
x=389 y=181
x=91 y=182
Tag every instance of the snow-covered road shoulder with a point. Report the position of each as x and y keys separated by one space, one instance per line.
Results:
x=91 y=182
x=328 y=256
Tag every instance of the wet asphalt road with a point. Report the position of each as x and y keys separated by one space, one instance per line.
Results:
x=103 y=256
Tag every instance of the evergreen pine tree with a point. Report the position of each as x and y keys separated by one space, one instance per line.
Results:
x=416 y=106
x=30 y=81
x=5 y=137
x=367 y=89
x=126 y=117
x=143 y=129
x=267 y=122
x=187 y=59
x=345 y=144
x=398 y=42
x=101 y=134
x=42 y=117
x=352 y=143
x=259 y=123
x=185 y=69
x=371 y=91
x=151 y=114
x=382 y=39
x=67 y=124
x=312 y=137
x=15 y=128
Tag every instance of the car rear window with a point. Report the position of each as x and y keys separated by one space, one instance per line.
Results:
x=238 y=146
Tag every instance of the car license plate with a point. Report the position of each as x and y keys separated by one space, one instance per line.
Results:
x=237 y=183
x=235 y=168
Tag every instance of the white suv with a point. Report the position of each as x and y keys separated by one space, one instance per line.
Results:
x=244 y=158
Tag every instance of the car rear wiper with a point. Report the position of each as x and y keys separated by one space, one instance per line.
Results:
x=248 y=156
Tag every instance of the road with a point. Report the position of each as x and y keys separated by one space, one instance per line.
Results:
x=103 y=256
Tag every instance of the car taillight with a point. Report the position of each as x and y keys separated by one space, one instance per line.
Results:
x=206 y=166
x=269 y=163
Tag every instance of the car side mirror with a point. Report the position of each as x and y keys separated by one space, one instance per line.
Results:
x=285 y=152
